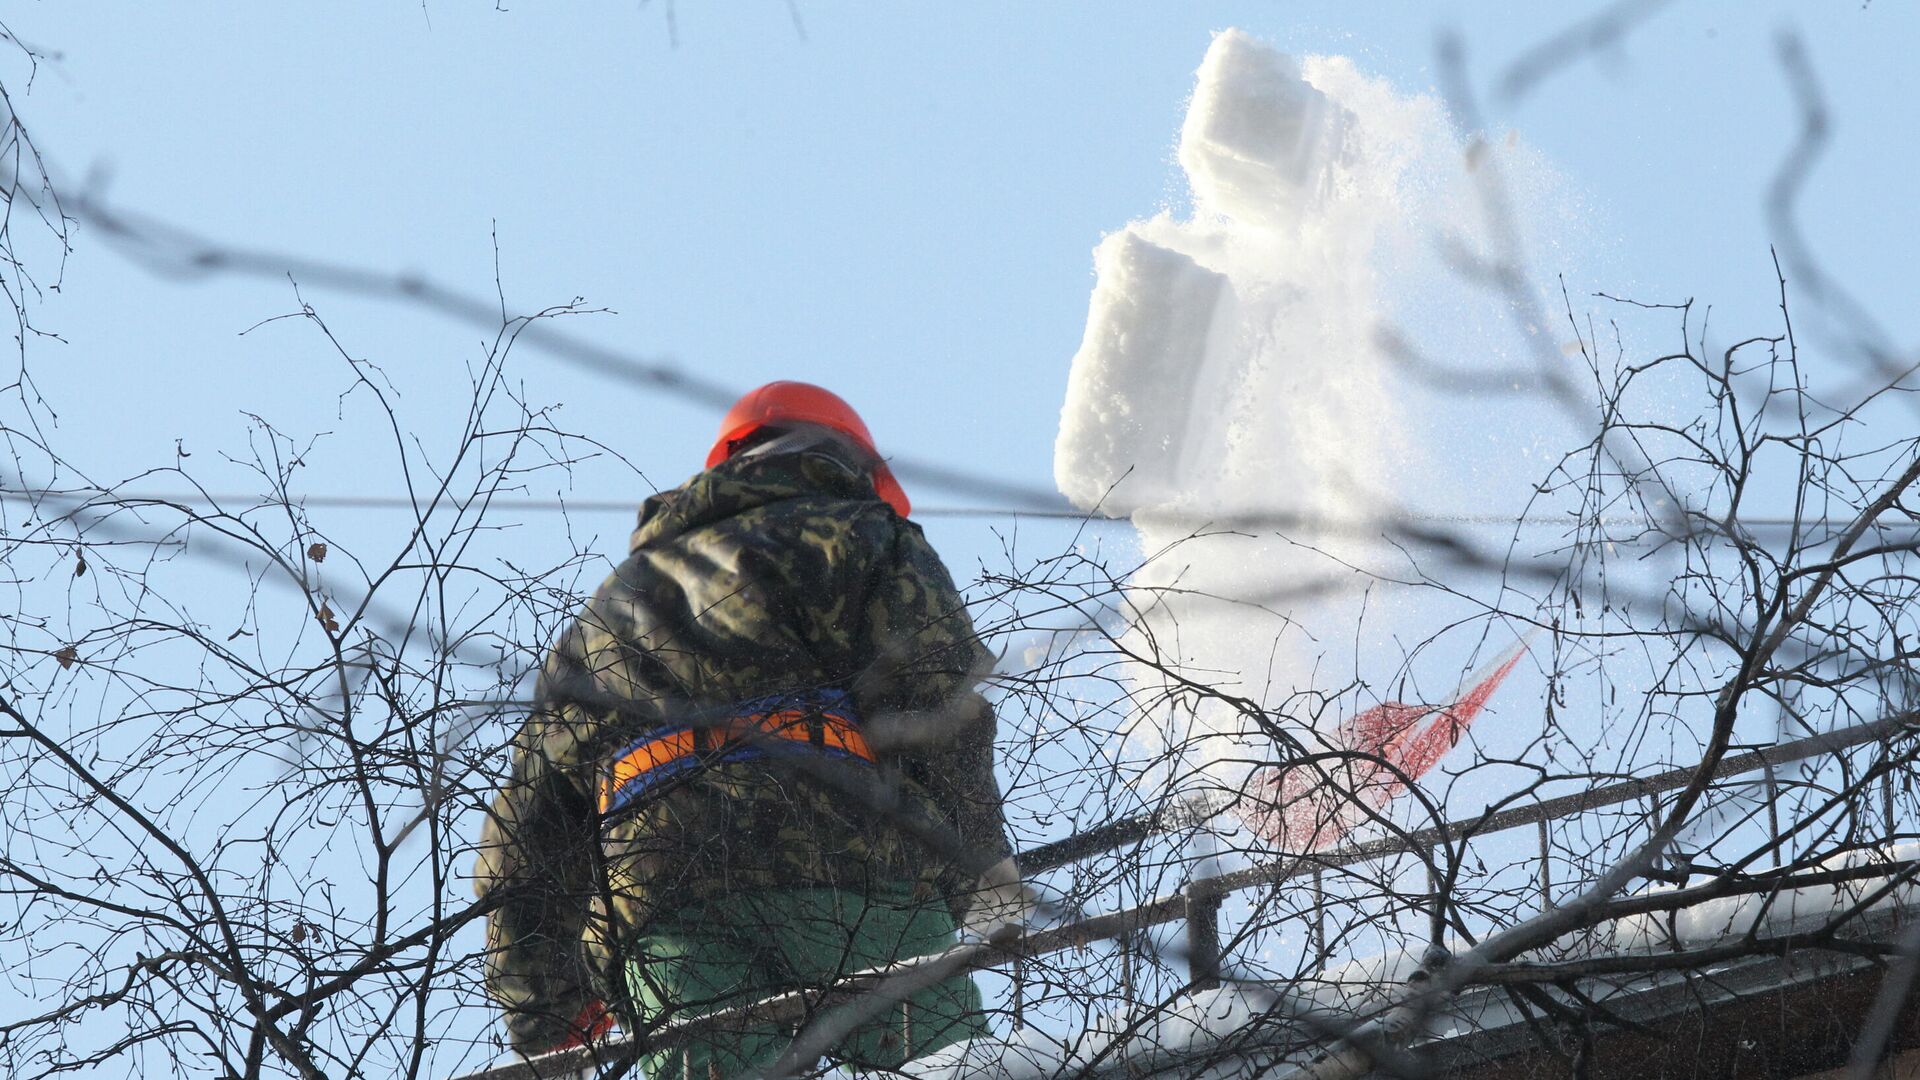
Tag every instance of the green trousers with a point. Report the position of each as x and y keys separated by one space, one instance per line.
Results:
x=758 y=943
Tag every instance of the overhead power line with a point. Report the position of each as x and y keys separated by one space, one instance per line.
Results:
x=1224 y=519
x=169 y=251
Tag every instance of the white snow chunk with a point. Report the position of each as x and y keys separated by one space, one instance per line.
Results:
x=1123 y=439
x=1259 y=141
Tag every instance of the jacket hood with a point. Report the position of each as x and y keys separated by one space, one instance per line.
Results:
x=822 y=469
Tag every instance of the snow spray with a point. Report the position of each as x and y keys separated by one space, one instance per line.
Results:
x=1234 y=397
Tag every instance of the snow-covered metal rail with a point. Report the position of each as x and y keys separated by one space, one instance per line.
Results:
x=1199 y=902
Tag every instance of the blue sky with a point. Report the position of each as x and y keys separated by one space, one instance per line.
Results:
x=899 y=202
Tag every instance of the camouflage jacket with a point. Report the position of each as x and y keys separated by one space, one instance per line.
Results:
x=767 y=574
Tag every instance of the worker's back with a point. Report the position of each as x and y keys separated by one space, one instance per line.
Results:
x=774 y=584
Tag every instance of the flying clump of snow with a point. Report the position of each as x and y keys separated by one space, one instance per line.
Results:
x=1132 y=403
x=1234 y=398
x=1259 y=138
x=1209 y=337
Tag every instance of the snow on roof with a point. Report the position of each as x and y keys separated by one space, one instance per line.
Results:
x=1244 y=1030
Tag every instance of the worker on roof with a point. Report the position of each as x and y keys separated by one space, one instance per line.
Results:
x=755 y=762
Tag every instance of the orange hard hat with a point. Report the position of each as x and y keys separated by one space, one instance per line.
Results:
x=786 y=403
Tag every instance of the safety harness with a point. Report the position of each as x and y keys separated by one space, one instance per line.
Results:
x=812 y=722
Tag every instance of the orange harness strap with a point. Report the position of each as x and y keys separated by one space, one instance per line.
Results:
x=666 y=752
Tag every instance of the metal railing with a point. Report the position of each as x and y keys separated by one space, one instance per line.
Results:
x=1199 y=902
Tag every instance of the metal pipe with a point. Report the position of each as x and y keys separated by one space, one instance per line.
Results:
x=1203 y=936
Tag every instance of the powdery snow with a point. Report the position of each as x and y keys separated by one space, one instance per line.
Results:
x=1307 y=809
x=1792 y=910
x=1232 y=370
x=1164 y=1039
